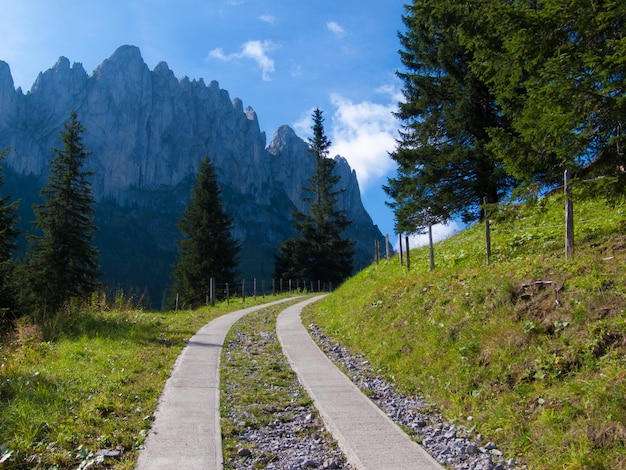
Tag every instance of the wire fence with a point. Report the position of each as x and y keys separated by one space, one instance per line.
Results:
x=538 y=236
x=227 y=291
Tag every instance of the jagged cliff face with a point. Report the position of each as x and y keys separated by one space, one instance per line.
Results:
x=145 y=129
x=147 y=132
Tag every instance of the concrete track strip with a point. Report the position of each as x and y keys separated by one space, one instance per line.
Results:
x=186 y=431
x=368 y=437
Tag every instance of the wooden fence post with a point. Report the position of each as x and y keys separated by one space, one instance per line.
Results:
x=569 y=218
x=227 y=295
x=387 y=247
x=243 y=291
x=487 y=229
x=400 y=244
x=408 y=256
x=212 y=292
x=377 y=250
x=431 y=247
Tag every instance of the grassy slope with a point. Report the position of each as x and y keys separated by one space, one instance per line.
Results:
x=540 y=367
x=94 y=386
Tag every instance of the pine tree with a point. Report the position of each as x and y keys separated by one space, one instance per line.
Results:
x=62 y=262
x=319 y=253
x=557 y=69
x=445 y=166
x=8 y=234
x=208 y=249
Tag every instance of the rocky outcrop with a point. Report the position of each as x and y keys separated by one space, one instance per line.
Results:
x=147 y=131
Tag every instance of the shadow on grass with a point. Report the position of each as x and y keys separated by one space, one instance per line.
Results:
x=141 y=328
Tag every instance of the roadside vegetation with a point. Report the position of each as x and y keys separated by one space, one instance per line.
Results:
x=530 y=349
x=89 y=382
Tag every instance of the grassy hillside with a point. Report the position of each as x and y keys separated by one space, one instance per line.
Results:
x=89 y=383
x=532 y=346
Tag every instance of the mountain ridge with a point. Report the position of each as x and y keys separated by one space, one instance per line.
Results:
x=147 y=131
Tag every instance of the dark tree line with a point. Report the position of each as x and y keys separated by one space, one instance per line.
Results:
x=208 y=249
x=319 y=252
x=61 y=263
x=8 y=234
x=500 y=97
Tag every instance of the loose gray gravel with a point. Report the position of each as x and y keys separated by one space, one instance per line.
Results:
x=454 y=446
x=296 y=438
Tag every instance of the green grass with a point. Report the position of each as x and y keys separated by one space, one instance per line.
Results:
x=257 y=386
x=540 y=366
x=93 y=386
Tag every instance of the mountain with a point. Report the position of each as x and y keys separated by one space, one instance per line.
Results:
x=147 y=132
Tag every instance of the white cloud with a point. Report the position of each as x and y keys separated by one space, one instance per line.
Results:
x=295 y=69
x=335 y=28
x=255 y=50
x=268 y=19
x=440 y=232
x=303 y=125
x=218 y=53
x=364 y=133
x=392 y=90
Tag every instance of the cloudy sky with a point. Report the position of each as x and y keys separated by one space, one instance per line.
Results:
x=281 y=57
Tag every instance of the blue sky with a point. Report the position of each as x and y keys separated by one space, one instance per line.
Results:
x=281 y=57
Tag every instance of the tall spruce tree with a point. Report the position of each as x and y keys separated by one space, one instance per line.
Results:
x=62 y=262
x=445 y=166
x=557 y=69
x=319 y=253
x=8 y=234
x=208 y=249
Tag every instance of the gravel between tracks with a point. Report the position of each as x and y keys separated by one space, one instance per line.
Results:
x=452 y=445
x=294 y=437
x=282 y=430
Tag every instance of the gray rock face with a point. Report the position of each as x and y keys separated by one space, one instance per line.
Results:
x=147 y=132
x=145 y=129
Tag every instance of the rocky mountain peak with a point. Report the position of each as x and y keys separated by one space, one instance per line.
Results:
x=60 y=75
x=147 y=132
x=125 y=74
x=123 y=57
x=286 y=141
x=163 y=70
x=8 y=95
x=6 y=79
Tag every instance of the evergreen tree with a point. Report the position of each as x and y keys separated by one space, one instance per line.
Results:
x=445 y=166
x=319 y=253
x=62 y=262
x=8 y=234
x=208 y=249
x=557 y=70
